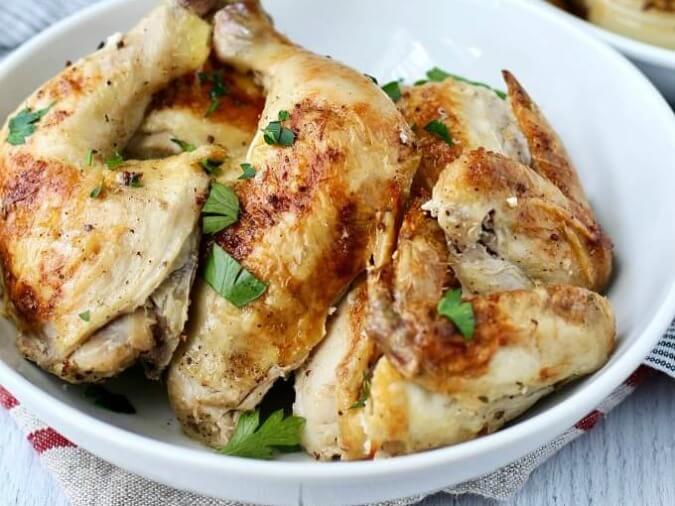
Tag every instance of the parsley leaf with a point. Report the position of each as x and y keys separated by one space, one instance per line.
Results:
x=211 y=166
x=115 y=160
x=458 y=312
x=365 y=393
x=393 y=89
x=24 y=124
x=108 y=400
x=186 y=147
x=85 y=316
x=218 y=89
x=284 y=115
x=439 y=129
x=274 y=133
x=227 y=277
x=255 y=441
x=96 y=192
x=90 y=157
x=249 y=171
x=221 y=209
x=438 y=75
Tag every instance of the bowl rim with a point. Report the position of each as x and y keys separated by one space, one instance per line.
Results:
x=634 y=48
x=553 y=421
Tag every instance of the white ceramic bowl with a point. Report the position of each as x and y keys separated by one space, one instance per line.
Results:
x=618 y=129
x=656 y=62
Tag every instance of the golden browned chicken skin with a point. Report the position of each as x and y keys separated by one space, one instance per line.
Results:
x=98 y=258
x=433 y=387
x=310 y=219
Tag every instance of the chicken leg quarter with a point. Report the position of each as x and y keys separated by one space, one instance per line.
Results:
x=98 y=261
x=310 y=220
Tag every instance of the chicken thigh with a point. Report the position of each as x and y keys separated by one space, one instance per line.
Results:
x=324 y=200
x=99 y=254
x=433 y=387
x=216 y=105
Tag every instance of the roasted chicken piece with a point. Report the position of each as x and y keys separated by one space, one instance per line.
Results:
x=510 y=225
x=216 y=105
x=433 y=387
x=99 y=254
x=319 y=207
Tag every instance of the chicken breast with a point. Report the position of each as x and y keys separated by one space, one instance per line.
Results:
x=319 y=207
x=433 y=387
x=98 y=258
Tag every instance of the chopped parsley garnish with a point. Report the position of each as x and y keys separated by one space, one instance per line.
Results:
x=254 y=440
x=365 y=393
x=90 y=157
x=24 y=124
x=275 y=133
x=232 y=282
x=221 y=209
x=211 y=166
x=85 y=316
x=96 y=192
x=393 y=89
x=458 y=312
x=218 y=89
x=184 y=146
x=439 y=129
x=115 y=160
x=438 y=75
x=108 y=400
x=248 y=171
x=420 y=82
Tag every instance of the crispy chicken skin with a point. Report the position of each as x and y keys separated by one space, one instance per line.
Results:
x=180 y=112
x=97 y=282
x=310 y=219
x=432 y=387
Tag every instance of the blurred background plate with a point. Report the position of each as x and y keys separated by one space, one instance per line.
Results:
x=657 y=62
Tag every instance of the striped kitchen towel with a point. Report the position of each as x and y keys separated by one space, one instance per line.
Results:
x=88 y=480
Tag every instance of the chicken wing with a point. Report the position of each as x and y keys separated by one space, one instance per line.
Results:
x=99 y=254
x=432 y=387
x=320 y=206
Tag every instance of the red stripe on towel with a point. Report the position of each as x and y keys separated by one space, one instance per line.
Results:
x=642 y=373
x=47 y=439
x=589 y=421
x=7 y=400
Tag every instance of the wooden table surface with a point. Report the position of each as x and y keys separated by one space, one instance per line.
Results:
x=629 y=459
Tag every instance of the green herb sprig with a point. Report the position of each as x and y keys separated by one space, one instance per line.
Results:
x=24 y=124
x=458 y=312
x=221 y=209
x=440 y=130
x=277 y=134
x=254 y=440
x=230 y=280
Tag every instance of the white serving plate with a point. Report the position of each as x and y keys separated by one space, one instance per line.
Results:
x=656 y=62
x=619 y=131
